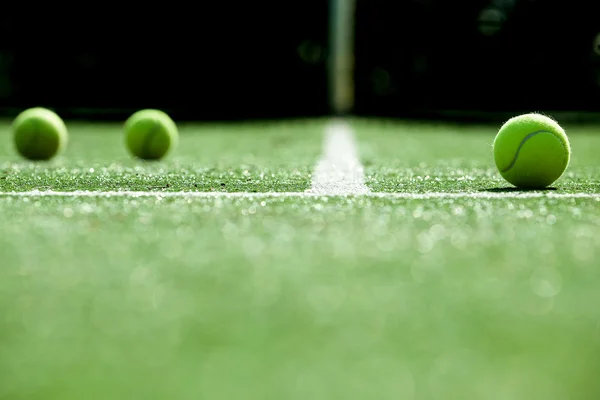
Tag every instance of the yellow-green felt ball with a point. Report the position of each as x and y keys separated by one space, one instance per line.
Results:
x=150 y=134
x=531 y=151
x=39 y=134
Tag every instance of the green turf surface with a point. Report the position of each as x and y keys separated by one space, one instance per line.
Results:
x=256 y=157
x=412 y=157
x=299 y=298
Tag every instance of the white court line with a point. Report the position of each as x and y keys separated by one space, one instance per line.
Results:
x=264 y=195
x=339 y=171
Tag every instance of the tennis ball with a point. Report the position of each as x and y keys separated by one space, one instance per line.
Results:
x=39 y=134
x=150 y=134
x=531 y=151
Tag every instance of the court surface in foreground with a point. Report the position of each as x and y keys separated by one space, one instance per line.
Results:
x=298 y=260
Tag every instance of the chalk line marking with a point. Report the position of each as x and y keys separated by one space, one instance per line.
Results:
x=266 y=195
x=339 y=171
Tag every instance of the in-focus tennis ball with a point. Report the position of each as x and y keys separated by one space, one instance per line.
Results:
x=531 y=151
x=150 y=134
x=39 y=134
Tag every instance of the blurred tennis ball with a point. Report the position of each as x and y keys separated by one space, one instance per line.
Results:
x=39 y=134
x=531 y=151
x=150 y=134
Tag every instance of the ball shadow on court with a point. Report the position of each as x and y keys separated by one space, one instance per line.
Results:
x=513 y=189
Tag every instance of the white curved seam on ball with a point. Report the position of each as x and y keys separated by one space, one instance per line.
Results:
x=525 y=139
x=148 y=138
x=34 y=141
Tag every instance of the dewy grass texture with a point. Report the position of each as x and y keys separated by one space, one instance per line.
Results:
x=297 y=298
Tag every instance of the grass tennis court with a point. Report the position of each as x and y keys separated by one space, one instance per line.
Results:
x=457 y=296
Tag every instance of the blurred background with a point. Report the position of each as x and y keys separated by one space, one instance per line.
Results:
x=239 y=60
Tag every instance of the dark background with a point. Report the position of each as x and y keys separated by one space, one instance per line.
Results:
x=267 y=59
